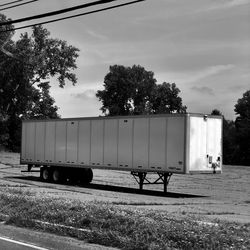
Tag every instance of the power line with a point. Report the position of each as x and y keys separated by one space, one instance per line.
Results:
x=57 y=12
x=11 y=3
x=73 y=16
x=13 y=6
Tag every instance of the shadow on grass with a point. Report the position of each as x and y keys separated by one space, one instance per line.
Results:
x=116 y=188
x=143 y=192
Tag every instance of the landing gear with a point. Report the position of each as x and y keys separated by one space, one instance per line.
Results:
x=166 y=178
x=141 y=179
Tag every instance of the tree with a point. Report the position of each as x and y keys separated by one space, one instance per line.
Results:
x=25 y=69
x=133 y=91
x=230 y=150
x=242 y=123
x=216 y=112
x=242 y=108
x=4 y=38
x=5 y=35
x=126 y=90
x=166 y=100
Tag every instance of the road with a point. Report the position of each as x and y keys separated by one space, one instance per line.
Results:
x=15 y=238
x=6 y=243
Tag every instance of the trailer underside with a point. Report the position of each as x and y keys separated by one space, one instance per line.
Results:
x=76 y=175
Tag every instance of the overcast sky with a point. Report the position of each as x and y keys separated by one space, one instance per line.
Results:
x=201 y=45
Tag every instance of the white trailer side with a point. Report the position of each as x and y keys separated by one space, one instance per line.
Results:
x=165 y=144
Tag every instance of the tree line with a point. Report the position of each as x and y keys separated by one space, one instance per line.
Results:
x=236 y=134
x=26 y=65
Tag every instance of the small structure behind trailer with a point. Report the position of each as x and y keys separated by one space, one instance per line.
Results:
x=67 y=149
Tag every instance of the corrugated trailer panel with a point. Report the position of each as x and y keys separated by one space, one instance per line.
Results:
x=111 y=142
x=141 y=143
x=50 y=136
x=176 y=133
x=72 y=142
x=84 y=142
x=97 y=136
x=23 y=142
x=157 y=144
x=39 y=141
x=125 y=143
x=61 y=133
x=30 y=141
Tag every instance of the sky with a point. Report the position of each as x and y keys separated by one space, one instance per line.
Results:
x=201 y=45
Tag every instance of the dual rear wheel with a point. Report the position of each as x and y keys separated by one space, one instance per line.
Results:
x=62 y=175
x=45 y=174
x=86 y=176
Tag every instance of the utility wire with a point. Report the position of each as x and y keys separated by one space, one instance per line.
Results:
x=57 y=12
x=13 y=6
x=11 y=3
x=73 y=16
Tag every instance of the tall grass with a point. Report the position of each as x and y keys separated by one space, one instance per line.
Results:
x=125 y=228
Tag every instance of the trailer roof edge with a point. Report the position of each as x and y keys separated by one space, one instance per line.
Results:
x=122 y=117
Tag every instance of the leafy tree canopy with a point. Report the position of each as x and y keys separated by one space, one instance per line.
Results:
x=216 y=112
x=242 y=123
x=166 y=99
x=133 y=90
x=229 y=144
x=242 y=108
x=26 y=65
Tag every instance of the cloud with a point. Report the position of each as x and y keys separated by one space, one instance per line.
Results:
x=210 y=71
x=96 y=35
x=232 y=3
x=87 y=94
x=203 y=90
x=195 y=76
x=228 y=4
x=76 y=101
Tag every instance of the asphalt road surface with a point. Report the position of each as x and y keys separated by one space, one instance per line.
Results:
x=15 y=238
x=6 y=243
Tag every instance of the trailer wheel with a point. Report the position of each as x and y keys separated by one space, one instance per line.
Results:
x=90 y=175
x=45 y=174
x=73 y=176
x=86 y=176
x=57 y=175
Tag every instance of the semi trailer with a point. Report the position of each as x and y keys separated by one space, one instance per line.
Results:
x=68 y=149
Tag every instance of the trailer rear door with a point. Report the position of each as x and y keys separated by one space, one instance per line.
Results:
x=205 y=144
